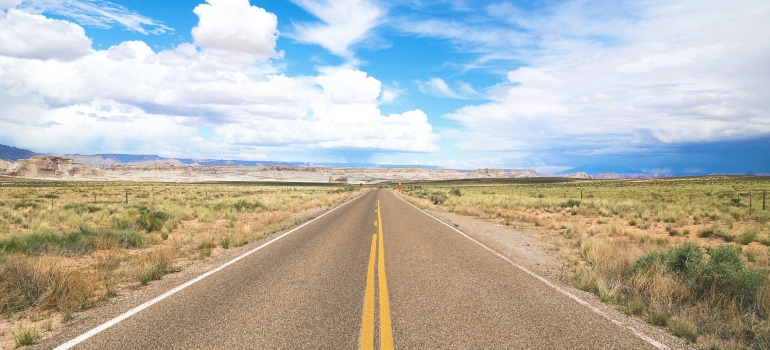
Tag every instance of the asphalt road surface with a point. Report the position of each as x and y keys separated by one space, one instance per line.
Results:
x=327 y=286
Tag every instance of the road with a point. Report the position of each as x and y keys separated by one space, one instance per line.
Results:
x=327 y=286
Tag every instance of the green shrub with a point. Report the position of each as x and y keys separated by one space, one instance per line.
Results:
x=571 y=203
x=151 y=273
x=686 y=260
x=634 y=307
x=129 y=238
x=456 y=192
x=242 y=205
x=659 y=318
x=685 y=330
x=24 y=204
x=438 y=197
x=152 y=221
x=655 y=259
x=707 y=232
x=80 y=208
x=746 y=238
x=80 y=241
x=727 y=274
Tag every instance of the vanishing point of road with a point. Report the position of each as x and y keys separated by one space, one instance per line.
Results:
x=374 y=273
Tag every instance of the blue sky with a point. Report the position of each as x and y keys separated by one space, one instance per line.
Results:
x=662 y=86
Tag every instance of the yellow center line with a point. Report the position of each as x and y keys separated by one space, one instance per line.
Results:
x=386 y=330
x=367 y=329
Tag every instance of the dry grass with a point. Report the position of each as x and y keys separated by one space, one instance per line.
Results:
x=42 y=283
x=55 y=261
x=721 y=300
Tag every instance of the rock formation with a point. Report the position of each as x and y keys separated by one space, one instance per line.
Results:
x=338 y=177
x=580 y=175
x=47 y=166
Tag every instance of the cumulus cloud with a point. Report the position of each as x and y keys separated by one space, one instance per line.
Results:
x=345 y=23
x=9 y=4
x=688 y=72
x=346 y=115
x=235 y=26
x=130 y=97
x=27 y=35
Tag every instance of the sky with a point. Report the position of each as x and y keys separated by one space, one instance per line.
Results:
x=664 y=86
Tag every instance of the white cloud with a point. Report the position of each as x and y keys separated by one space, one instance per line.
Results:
x=99 y=14
x=684 y=72
x=131 y=98
x=9 y=4
x=236 y=27
x=101 y=125
x=347 y=116
x=345 y=23
x=391 y=93
x=27 y=35
x=439 y=87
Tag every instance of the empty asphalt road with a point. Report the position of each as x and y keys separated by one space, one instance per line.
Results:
x=327 y=286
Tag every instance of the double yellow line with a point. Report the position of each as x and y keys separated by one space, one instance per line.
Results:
x=367 y=329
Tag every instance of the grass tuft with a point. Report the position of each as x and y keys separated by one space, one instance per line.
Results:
x=684 y=330
x=25 y=336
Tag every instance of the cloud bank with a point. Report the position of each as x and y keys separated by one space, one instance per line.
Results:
x=603 y=77
x=130 y=97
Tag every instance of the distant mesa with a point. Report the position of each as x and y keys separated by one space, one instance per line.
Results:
x=47 y=166
x=580 y=175
x=122 y=167
x=605 y=171
x=503 y=173
x=338 y=177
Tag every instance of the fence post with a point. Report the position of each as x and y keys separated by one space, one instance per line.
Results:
x=126 y=196
x=749 y=203
x=763 y=200
x=581 y=194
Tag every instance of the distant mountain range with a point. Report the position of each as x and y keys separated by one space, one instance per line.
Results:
x=594 y=169
x=13 y=154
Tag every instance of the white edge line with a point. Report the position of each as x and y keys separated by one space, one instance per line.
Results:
x=633 y=330
x=79 y=339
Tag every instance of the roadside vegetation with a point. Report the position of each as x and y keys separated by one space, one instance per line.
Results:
x=689 y=254
x=68 y=246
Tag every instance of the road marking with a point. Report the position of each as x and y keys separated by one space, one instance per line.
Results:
x=596 y=310
x=367 y=329
x=375 y=223
x=81 y=338
x=386 y=330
